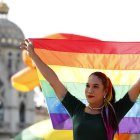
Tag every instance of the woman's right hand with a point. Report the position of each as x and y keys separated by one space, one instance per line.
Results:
x=28 y=46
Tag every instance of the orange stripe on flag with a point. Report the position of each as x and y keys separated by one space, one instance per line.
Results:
x=87 y=60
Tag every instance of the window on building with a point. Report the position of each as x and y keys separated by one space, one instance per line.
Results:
x=9 y=66
x=18 y=61
x=1 y=111
x=2 y=90
x=22 y=112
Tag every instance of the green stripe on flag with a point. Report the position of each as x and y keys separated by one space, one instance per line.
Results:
x=78 y=89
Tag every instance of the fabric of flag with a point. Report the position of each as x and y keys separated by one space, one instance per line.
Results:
x=74 y=59
x=43 y=131
x=20 y=80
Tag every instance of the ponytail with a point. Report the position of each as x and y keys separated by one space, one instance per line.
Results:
x=109 y=114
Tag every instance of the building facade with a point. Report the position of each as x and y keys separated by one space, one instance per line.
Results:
x=16 y=109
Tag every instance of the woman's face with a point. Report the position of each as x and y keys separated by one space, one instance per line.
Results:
x=95 y=91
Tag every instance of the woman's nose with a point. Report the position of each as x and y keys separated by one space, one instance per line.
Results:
x=90 y=90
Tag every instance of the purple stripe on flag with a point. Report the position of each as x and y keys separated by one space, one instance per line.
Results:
x=61 y=121
x=130 y=125
x=127 y=125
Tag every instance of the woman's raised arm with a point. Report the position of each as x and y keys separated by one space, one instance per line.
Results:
x=134 y=91
x=46 y=71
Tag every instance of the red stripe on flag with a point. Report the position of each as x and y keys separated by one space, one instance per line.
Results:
x=87 y=46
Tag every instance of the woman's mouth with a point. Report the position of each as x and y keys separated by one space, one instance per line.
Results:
x=90 y=96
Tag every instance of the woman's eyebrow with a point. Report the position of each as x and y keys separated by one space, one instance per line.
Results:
x=95 y=84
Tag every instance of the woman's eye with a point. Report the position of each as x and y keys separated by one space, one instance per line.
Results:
x=95 y=86
x=87 y=85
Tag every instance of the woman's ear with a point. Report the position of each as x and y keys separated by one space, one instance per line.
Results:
x=105 y=92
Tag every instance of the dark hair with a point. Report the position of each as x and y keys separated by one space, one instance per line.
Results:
x=108 y=112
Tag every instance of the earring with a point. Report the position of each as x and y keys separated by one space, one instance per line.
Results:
x=105 y=100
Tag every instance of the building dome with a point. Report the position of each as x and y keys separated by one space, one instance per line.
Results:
x=10 y=34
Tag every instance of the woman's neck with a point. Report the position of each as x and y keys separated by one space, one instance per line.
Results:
x=95 y=108
x=91 y=111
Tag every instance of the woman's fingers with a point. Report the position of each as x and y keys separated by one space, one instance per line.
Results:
x=28 y=42
x=28 y=46
x=23 y=45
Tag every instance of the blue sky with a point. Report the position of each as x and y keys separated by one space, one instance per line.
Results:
x=116 y=20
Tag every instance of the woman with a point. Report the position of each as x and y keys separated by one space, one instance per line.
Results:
x=99 y=120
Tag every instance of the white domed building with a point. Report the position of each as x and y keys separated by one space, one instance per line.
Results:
x=16 y=109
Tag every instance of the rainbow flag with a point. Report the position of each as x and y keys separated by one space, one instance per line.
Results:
x=74 y=59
